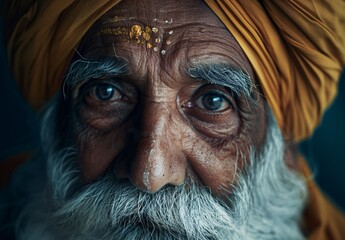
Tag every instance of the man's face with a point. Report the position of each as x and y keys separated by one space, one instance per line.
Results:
x=160 y=96
x=179 y=105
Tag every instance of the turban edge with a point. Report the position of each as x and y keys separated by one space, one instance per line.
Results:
x=296 y=47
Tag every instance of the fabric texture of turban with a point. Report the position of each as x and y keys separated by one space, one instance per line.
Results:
x=296 y=47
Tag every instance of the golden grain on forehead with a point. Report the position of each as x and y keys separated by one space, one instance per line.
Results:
x=148 y=45
x=135 y=31
x=117 y=31
x=147 y=33
x=134 y=34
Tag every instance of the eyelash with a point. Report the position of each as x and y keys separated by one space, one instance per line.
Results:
x=84 y=88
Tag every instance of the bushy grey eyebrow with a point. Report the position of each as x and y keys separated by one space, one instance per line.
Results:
x=235 y=78
x=83 y=70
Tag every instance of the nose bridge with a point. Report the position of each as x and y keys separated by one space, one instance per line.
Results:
x=157 y=162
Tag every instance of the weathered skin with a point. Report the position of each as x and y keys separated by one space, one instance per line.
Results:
x=162 y=134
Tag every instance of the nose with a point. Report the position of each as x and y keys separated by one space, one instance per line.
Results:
x=158 y=159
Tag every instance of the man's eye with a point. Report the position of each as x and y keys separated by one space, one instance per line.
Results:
x=212 y=102
x=105 y=92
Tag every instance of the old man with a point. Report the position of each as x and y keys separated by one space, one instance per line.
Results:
x=174 y=120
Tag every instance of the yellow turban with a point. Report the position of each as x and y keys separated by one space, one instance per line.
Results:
x=296 y=47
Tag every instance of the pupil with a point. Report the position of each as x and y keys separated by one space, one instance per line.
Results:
x=104 y=92
x=212 y=102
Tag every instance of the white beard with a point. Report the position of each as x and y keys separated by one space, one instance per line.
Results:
x=266 y=203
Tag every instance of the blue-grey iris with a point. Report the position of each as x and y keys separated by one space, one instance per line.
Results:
x=104 y=92
x=212 y=101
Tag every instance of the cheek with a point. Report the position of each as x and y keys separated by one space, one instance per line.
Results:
x=98 y=151
x=215 y=165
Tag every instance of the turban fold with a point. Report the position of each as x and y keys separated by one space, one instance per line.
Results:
x=296 y=47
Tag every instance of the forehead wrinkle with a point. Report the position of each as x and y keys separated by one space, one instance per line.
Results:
x=146 y=11
x=138 y=12
x=163 y=81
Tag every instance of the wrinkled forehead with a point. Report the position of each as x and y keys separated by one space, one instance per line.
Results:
x=131 y=17
x=161 y=12
x=188 y=28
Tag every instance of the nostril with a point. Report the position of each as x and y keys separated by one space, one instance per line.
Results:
x=150 y=180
